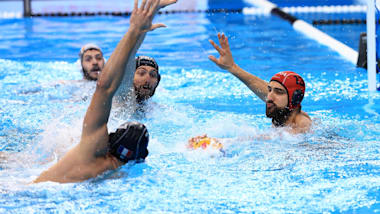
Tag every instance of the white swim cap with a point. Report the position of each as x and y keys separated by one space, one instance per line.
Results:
x=87 y=47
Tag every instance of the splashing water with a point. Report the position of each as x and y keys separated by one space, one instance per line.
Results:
x=333 y=168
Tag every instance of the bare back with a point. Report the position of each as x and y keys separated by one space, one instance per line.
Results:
x=74 y=168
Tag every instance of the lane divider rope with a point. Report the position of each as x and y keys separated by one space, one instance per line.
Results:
x=308 y=30
x=327 y=9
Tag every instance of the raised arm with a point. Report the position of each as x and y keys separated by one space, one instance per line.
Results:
x=95 y=121
x=226 y=62
x=130 y=69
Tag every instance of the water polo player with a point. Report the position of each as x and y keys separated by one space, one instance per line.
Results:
x=99 y=151
x=146 y=78
x=283 y=94
x=92 y=61
x=145 y=69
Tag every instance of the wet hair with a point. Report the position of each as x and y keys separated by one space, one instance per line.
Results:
x=129 y=142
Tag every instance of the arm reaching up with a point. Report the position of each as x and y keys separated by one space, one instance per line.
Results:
x=91 y=156
x=226 y=62
x=130 y=69
x=110 y=79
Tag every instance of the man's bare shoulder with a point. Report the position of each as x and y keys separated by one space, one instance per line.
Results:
x=303 y=122
x=73 y=168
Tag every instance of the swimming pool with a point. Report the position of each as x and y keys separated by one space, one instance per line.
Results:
x=334 y=169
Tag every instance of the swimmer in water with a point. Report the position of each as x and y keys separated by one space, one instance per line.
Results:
x=283 y=94
x=92 y=61
x=145 y=69
x=97 y=150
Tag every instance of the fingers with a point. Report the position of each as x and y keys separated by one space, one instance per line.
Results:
x=224 y=41
x=142 y=17
x=136 y=6
x=227 y=43
x=220 y=38
x=142 y=7
x=220 y=51
x=215 y=60
x=164 y=3
x=149 y=6
x=153 y=7
x=155 y=26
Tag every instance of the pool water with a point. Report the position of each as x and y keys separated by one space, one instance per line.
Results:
x=335 y=168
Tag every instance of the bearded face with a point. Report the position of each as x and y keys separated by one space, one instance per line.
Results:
x=279 y=115
x=92 y=64
x=143 y=92
x=145 y=82
x=277 y=104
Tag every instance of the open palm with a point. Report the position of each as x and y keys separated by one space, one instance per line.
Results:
x=225 y=60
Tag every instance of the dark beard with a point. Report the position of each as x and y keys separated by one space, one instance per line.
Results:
x=279 y=115
x=140 y=98
x=87 y=76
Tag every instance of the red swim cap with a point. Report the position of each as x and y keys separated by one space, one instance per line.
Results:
x=295 y=86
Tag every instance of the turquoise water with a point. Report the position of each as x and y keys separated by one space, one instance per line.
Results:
x=333 y=169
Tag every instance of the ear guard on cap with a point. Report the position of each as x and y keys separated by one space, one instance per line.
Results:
x=129 y=142
x=297 y=97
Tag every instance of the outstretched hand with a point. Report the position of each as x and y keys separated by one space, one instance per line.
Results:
x=225 y=60
x=142 y=17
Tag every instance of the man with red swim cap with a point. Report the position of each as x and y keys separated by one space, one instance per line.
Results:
x=283 y=94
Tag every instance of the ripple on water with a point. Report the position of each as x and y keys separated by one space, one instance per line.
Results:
x=334 y=168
